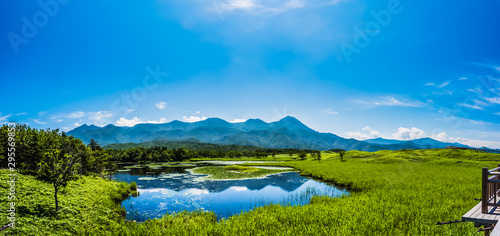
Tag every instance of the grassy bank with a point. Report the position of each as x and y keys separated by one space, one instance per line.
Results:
x=392 y=193
x=87 y=205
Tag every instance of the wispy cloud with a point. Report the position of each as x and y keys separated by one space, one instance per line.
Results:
x=3 y=119
x=161 y=105
x=39 y=122
x=439 y=85
x=493 y=100
x=391 y=101
x=475 y=106
x=330 y=111
x=463 y=78
x=100 y=115
x=490 y=65
x=76 y=115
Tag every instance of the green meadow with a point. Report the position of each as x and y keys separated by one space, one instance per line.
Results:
x=392 y=193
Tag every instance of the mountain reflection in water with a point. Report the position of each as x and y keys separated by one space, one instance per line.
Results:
x=174 y=189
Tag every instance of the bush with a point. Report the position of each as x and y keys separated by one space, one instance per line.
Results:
x=133 y=186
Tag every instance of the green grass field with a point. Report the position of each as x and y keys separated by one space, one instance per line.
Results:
x=392 y=193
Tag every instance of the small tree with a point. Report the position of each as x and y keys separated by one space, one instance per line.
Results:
x=302 y=155
x=341 y=154
x=290 y=153
x=110 y=168
x=317 y=155
x=60 y=163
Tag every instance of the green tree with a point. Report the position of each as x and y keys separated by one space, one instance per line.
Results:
x=341 y=154
x=94 y=146
x=60 y=162
x=302 y=155
x=317 y=155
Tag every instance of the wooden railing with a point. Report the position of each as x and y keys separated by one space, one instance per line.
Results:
x=490 y=188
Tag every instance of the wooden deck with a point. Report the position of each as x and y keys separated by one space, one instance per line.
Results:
x=475 y=215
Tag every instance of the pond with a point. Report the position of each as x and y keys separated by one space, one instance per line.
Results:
x=164 y=190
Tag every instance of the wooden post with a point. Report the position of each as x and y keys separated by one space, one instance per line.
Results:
x=484 y=194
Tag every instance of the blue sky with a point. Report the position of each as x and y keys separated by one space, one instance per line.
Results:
x=360 y=69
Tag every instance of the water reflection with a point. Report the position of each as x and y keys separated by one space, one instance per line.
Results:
x=175 y=189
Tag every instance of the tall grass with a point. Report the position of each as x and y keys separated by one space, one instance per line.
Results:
x=392 y=193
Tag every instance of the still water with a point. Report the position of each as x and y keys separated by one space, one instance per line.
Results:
x=173 y=189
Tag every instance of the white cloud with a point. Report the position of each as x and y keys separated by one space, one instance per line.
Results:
x=238 y=120
x=125 y=122
x=197 y=112
x=470 y=106
x=330 y=111
x=443 y=137
x=4 y=118
x=496 y=113
x=408 y=134
x=161 y=105
x=366 y=133
x=193 y=118
x=391 y=101
x=100 y=115
x=76 y=115
x=21 y=114
x=463 y=78
x=77 y=124
x=494 y=100
x=256 y=7
x=443 y=85
x=134 y=121
x=239 y=188
x=39 y=122
x=195 y=191
x=438 y=85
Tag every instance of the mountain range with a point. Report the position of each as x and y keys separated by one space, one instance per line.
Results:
x=285 y=133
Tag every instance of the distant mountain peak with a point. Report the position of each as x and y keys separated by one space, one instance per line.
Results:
x=214 y=121
x=255 y=121
x=290 y=119
x=291 y=123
